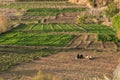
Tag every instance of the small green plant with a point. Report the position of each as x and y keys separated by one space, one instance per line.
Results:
x=116 y=24
x=81 y=19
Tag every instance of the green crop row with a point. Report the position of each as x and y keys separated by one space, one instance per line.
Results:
x=35 y=39
x=51 y=11
x=105 y=33
x=49 y=28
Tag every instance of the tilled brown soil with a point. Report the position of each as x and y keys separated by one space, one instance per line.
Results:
x=65 y=65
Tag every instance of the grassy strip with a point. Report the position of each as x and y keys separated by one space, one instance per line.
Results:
x=34 y=39
x=36 y=4
x=49 y=28
x=105 y=33
x=11 y=57
x=51 y=11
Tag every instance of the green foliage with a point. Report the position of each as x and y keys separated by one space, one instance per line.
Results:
x=35 y=39
x=105 y=33
x=106 y=37
x=111 y=10
x=49 y=28
x=81 y=20
x=116 y=22
x=51 y=11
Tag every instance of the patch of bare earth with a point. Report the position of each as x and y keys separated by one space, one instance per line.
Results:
x=69 y=17
x=65 y=65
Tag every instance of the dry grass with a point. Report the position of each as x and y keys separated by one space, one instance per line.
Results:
x=106 y=78
x=43 y=76
x=65 y=65
x=5 y=23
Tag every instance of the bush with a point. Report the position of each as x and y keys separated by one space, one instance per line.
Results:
x=5 y=23
x=116 y=24
x=81 y=19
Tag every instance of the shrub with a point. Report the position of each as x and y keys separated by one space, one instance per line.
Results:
x=81 y=19
x=5 y=23
x=116 y=24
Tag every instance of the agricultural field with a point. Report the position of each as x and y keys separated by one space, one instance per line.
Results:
x=49 y=28
x=105 y=33
x=39 y=4
x=13 y=56
x=42 y=34
x=51 y=11
x=35 y=39
x=48 y=38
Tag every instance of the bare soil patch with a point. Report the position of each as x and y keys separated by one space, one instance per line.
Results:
x=65 y=65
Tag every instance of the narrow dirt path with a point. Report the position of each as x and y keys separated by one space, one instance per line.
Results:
x=65 y=65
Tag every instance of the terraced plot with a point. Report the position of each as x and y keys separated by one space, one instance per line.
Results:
x=111 y=46
x=51 y=11
x=40 y=4
x=89 y=42
x=104 y=33
x=59 y=32
x=49 y=28
x=10 y=56
x=95 y=45
x=30 y=35
x=65 y=65
x=35 y=39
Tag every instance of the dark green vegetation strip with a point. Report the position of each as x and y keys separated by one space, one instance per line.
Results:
x=35 y=39
x=105 y=33
x=14 y=56
x=51 y=11
x=49 y=28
